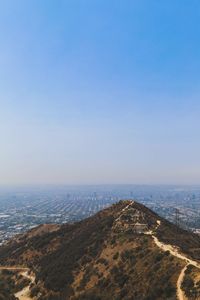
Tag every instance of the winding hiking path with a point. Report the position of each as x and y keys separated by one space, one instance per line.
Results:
x=24 y=294
x=180 y=293
x=123 y=210
x=175 y=252
x=14 y=268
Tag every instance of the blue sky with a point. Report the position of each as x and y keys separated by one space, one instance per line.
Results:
x=99 y=92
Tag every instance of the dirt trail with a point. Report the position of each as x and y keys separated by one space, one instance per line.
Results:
x=123 y=210
x=175 y=252
x=24 y=294
x=14 y=268
x=180 y=293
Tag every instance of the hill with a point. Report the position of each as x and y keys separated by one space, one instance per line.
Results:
x=123 y=252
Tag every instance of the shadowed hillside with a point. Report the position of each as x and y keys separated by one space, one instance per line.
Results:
x=110 y=255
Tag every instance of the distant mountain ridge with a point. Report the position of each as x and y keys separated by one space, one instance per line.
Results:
x=123 y=252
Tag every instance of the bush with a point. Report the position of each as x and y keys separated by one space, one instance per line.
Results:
x=128 y=255
x=113 y=241
x=34 y=291
x=189 y=269
x=170 y=290
x=102 y=261
x=116 y=255
x=159 y=257
x=187 y=284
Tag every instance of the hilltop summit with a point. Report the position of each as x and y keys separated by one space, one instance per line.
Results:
x=123 y=252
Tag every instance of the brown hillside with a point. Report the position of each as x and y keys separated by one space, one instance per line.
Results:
x=107 y=256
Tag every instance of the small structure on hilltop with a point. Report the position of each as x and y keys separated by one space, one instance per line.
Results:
x=140 y=228
x=131 y=219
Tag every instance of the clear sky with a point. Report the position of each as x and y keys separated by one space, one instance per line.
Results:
x=99 y=91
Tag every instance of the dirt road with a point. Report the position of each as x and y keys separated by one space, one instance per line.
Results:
x=123 y=210
x=175 y=252
x=14 y=268
x=24 y=294
x=180 y=293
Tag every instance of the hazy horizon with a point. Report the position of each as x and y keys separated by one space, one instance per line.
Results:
x=99 y=92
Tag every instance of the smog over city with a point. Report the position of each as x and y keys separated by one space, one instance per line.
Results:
x=99 y=150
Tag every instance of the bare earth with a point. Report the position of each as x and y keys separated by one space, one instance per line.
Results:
x=180 y=293
x=24 y=294
x=175 y=252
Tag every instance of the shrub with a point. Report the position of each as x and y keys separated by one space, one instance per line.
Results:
x=102 y=261
x=116 y=255
x=158 y=257
x=34 y=291
x=187 y=283
x=170 y=290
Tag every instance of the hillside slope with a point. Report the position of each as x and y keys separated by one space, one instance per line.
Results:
x=119 y=253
